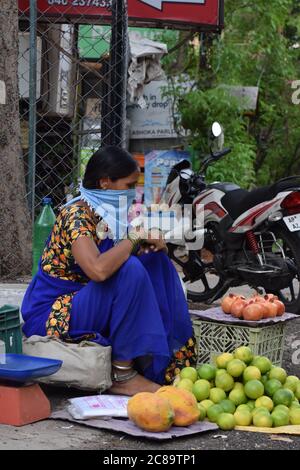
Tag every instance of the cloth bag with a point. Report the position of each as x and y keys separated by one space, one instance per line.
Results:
x=86 y=365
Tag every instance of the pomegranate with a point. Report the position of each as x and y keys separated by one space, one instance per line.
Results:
x=270 y=297
x=252 y=312
x=237 y=307
x=264 y=308
x=280 y=307
x=227 y=303
x=272 y=309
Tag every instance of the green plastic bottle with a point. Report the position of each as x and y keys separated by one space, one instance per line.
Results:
x=41 y=230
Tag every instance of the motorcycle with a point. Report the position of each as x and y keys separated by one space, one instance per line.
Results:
x=248 y=237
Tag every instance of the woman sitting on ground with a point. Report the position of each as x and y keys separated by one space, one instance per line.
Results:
x=120 y=290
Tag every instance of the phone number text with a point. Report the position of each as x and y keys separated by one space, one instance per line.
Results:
x=81 y=3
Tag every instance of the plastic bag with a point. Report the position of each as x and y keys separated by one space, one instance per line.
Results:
x=86 y=365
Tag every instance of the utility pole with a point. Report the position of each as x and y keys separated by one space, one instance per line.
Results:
x=113 y=129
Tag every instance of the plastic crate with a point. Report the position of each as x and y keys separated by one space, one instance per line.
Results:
x=214 y=338
x=10 y=329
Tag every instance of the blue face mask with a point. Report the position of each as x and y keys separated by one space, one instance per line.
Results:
x=112 y=205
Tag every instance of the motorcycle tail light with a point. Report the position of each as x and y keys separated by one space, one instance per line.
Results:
x=292 y=203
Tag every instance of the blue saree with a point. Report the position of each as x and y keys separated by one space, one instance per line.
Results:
x=140 y=311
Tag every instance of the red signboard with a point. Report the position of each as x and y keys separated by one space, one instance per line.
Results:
x=206 y=14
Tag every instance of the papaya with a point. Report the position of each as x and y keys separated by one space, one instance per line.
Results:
x=183 y=403
x=150 y=412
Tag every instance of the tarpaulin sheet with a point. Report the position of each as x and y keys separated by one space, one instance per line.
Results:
x=127 y=427
x=216 y=314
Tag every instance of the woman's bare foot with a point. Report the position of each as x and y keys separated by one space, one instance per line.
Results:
x=132 y=386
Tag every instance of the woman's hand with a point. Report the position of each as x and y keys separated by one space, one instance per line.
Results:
x=153 y=241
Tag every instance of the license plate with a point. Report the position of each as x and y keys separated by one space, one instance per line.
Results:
x=292 y=222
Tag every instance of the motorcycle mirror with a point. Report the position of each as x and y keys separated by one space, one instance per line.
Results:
x=216 y=129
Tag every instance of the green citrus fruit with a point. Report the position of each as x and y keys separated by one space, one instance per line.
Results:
x=223 y=359
x=260 y=410
x=206 y=404
x=201 y=389
x=228 y=406
x=264 y=379
x=255 y=357
x=254 y=389
x=186 y=384
x=278 y=373
x=189 y=373
x=243 y=407
x=207 y=372
x=202 y=412
x=284 y=396
x=213 y=412
x=238 y=386
x=295 y=404
x=272 y=386
x=264 y=402
x=263 y=420
x=217 y=394
x=244 y=353
x=281 y=408
x=280 y=418
x=251 y=404
x=243 y=417
x=251 y=373
x=226 y=421
x=262 y=363
x=235 y=368
x=238 y=397
x=294 y=416
x=291 y=383
x=220 y=372
x=297 y=392
x=224 y=381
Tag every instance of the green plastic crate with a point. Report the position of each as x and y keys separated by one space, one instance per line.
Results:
x=10 y=329
x=215 y=338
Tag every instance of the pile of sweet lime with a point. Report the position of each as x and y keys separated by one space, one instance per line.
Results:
x=243 y=390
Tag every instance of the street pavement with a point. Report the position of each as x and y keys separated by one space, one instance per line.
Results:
x=51 y=435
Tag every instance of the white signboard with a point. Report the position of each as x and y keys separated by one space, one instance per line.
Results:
x=156 y=120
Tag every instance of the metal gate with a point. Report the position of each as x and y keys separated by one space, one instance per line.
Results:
x=72 y=85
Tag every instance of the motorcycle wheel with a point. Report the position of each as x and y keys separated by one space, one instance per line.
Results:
x=290 y=242
x=208 y=288
x=205 y=287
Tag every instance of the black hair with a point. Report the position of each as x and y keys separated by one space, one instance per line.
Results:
x=111 y=162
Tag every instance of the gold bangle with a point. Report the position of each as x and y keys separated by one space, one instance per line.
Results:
x=134 y=239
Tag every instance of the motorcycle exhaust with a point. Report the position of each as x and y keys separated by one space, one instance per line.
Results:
x=261 y=270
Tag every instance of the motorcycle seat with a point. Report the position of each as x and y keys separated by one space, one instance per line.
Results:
x=238 y=201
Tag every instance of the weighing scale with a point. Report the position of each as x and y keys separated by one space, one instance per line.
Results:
x=22 y=401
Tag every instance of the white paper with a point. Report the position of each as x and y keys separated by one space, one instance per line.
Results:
x=98 y=405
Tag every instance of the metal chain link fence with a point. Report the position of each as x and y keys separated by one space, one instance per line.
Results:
x=80 y=97
x=76 y=100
